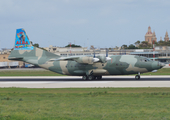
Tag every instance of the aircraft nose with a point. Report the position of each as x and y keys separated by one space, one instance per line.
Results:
x=161 y=64
x=157 y=65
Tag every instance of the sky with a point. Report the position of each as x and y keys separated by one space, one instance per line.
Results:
x=101 y=23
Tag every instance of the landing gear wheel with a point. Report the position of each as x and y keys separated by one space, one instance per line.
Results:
x=84 y=77
x=137 y=77
x=99 y=77
x=95 y=77
x=90 y=77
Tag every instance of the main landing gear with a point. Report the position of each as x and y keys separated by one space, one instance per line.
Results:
x=91 y=77
x=137 y=77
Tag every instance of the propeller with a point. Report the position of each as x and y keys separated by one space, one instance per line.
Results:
x=107 y=58
x=94 y=57
x=94 y=54
x=104 y=58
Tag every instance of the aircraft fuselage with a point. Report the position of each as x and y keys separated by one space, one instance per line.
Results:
x=118 y=65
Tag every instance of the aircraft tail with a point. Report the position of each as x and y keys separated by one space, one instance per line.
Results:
x=21 y=41
x=25 y=51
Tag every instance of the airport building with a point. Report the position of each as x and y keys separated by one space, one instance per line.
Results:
x=162 y=54
x=5 y=63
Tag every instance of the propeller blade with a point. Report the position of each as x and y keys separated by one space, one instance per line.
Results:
x=94 y=54
x=95 y=59
x=108 y=58
x=106 y=52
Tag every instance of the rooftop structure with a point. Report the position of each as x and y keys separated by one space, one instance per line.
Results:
x=166 y=38
x=54 y=49
x=150 y=37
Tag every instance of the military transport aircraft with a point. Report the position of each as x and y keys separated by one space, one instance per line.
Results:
x=89 y=67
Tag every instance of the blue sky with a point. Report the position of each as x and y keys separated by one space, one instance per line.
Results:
x=102 y=23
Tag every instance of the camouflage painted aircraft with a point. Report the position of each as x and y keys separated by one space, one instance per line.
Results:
x=89 y=67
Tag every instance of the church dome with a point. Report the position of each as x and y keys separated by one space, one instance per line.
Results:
x=149 y=30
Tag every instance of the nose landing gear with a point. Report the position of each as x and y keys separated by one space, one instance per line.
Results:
x=137 y=77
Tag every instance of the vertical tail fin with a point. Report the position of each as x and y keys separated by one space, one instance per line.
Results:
x=25 y=51
x=21 y=41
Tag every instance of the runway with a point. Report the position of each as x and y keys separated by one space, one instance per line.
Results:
x=77 y=82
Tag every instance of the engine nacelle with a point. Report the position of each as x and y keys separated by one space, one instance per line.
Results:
x=86 y=60
x=103 y=58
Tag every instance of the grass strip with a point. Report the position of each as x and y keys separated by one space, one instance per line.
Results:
x=28 y=73
x=163 y=71
x=85 y=103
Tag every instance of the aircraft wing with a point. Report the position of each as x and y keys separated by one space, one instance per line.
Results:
x=79 y=59
x=65 y=58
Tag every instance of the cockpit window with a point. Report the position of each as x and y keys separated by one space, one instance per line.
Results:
x=145 y=60
x=148 y=59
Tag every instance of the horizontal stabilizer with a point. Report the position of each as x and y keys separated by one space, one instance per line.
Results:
x=15 y=58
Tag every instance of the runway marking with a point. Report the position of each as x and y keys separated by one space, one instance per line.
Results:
x=77 y=82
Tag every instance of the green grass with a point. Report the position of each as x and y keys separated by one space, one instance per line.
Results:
x=28 y=73
x=85 y=104
x=163 y=71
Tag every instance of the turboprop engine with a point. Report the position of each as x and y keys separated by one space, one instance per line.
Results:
x=91 y=60
x=87 y=60
x=103 y=58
